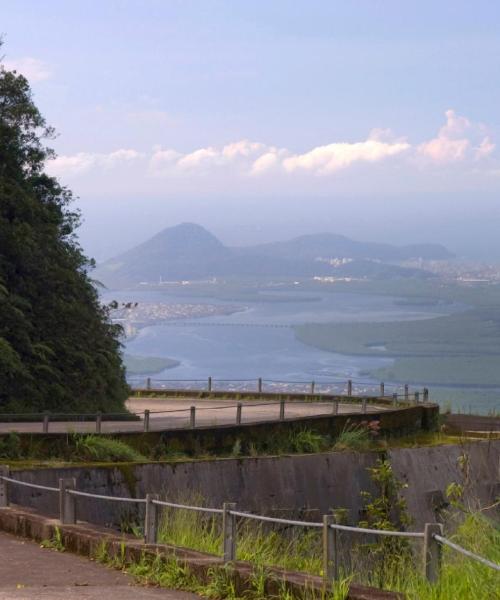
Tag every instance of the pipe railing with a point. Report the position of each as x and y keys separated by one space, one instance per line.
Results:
x=432 y=536
x=258 y=385
x=191 y=412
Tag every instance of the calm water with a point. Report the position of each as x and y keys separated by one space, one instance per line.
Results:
x=244 y=346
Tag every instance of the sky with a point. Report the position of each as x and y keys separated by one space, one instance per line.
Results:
x=267 y=119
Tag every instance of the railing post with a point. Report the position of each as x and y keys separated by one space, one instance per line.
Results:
x=148 y=383
x=363 y=406
x=330 y=550
x=312 y=387
x=282 y=410
x=335 y=407
x=382 y=389
x=407 y=392
x=349 y=388
x=45 y=425
x=259 y=385
x=4 y=486
x=192 y=417
x=229 y=532
x=238 y=413
x=67 y=502
x=432 y=552
x=151 y=520
x=426 y=395
x=209 y=384
x=146 y=420
x=98 y=422
x=394 y=399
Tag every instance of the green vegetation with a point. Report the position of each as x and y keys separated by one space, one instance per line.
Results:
x=55 y=542
x=147 y=365
x=28 y=450
x=388 y=563
x=58 y=349
x=462 y=349
x=101 y=449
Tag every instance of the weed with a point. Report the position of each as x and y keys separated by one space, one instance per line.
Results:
x=10 y=446
x=55 y=542
x=97 y=448
x=353 y=437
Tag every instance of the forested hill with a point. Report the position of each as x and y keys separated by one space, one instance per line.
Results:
x=58 y=351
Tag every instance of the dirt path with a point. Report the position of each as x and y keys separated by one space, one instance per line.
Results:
x=30 y=572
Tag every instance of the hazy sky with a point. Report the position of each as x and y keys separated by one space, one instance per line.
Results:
x=270 y=118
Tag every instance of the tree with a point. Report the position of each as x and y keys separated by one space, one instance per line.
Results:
x=58 y=349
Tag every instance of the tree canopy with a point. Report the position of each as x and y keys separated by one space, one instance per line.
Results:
x=58 y=349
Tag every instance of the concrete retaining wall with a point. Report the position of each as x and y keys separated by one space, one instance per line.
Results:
x=305 y=486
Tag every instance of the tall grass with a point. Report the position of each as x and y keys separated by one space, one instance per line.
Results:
x=299 y=549
x=97 y=448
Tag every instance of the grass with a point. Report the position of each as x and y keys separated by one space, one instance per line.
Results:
x=147 y=365
x=89 y=448
x=103 y=449
x=297 y=549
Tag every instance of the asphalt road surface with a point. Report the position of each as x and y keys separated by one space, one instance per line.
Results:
x=29 y=572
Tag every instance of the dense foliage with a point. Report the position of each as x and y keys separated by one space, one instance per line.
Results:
x=58 y=350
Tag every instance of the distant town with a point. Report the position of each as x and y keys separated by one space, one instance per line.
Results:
x=133 y=316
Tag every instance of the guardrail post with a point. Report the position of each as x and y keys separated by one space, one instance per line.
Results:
x=4 y=486
x=259 y=385
x=363 y=405
x=335 y=407
x=432 y=552
x=229 y=532
x=417 y=397
x=282 y=410
x=146 y=420
x=312 y=387
x=151 y=520
x=394 y=399
x=209 y=385
x=238 y=413
x=330 y=550
x=98 y=422
x=426 y=395
x=382 y=389
x=67 y=502
x=45 y=425
x=148 y=383
x=192 y=417
x=407 y=392
x=349 y=387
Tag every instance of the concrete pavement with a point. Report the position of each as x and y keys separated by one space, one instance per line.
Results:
x=174 y=413
x=29 y=572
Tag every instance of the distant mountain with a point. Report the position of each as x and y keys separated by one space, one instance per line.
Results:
x=188 y=251
x=331 y=245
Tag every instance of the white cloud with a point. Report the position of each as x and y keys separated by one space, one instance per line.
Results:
x=458 y=140
x=485 y=148
x=83 y=162
x=32 y=68
x=324 y=160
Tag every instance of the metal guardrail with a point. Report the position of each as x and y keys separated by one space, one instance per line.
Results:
x=432 y=535
x=191 y=412
x=259 y=385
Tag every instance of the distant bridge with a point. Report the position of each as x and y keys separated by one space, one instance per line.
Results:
x=205 y=324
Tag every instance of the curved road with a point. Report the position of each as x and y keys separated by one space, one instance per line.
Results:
x=174 y=413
